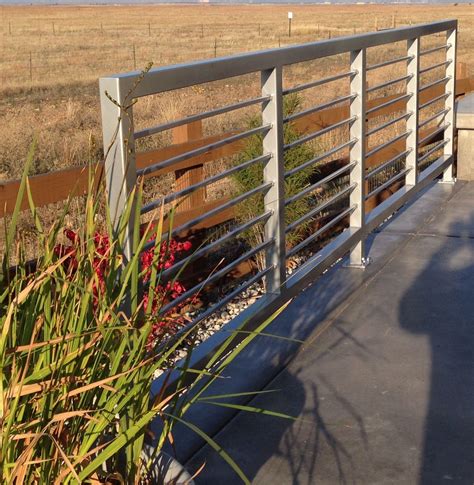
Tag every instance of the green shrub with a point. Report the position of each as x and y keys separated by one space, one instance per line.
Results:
x=252 y=176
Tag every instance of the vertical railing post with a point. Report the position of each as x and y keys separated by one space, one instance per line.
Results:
x=357 y=154
x=119 y=150
x=272 y=113
x=450 y=119
x=413 y=84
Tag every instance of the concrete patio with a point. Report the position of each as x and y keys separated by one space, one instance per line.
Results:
x=383 y=387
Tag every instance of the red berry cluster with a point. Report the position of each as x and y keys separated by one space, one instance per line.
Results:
x=100 y=262
x=70 y=251
x=163 y=293
x=170 y=322
x=167 y=257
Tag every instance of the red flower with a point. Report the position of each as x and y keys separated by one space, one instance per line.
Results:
x=71 y=235
x=164 y=324
x=187 y=245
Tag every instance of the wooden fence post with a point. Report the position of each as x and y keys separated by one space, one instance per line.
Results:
x=189 y=176
x=461 y=70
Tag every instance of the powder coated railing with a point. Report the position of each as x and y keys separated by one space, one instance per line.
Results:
x=121 y=173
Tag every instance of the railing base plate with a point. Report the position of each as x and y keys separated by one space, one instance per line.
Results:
x=447 y=182
x=362 y=265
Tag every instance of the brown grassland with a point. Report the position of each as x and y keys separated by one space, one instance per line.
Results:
x=52 y=56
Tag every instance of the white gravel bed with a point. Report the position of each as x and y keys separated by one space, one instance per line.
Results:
x=221 y=317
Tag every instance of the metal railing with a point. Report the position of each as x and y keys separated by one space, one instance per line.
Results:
x=121 y=172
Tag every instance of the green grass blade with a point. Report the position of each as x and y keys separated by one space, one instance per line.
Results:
x=237 y=394
x=252 y=409
x=16 y=211
x=215 y=446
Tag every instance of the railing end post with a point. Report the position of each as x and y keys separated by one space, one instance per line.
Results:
x=119 y=157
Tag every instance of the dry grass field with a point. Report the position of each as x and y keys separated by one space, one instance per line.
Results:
x=52 y=56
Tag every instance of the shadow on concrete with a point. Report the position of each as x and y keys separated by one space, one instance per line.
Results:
x=276 y=438
x=440 y=305
x=266 y=358
x=280 y=440
x=386 y=394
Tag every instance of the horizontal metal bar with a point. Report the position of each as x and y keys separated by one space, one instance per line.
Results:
x=389 y=62
x=389 y=83
x=306 y=274
x=188 y=190
x=435 y=169
x=226 y=299
x=435 y=83
x=389 y=103
x=320 y=231
x=263 y=308
x=236 y=200
x=432 y=150
x=432 y=118
x=184 y=75
x=378 y=215
x=433 y=133
x=388 y=123
x=434 y=66
x=319 y=107
x=434 y=100
x=388 y=183
x=312 y=136
x=387 y=143
x=387 y=164
x=320 y=207
x=200 y=151
x=320 y=157
x=435 y=49
x=215 y=276
x=320 y=183
x=199 y=116
x=319 y=82
x=215 y=244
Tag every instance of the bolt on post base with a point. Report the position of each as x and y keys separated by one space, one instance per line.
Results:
x=357 y=257
x=362 y=264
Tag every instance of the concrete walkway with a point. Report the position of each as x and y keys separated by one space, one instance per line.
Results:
x=383 y=388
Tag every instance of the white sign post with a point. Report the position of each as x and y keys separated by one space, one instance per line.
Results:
x=290 y=16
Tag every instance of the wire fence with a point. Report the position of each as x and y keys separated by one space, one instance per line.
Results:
x=50 y=49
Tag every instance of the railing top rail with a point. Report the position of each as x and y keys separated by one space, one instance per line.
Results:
x=189 y=74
